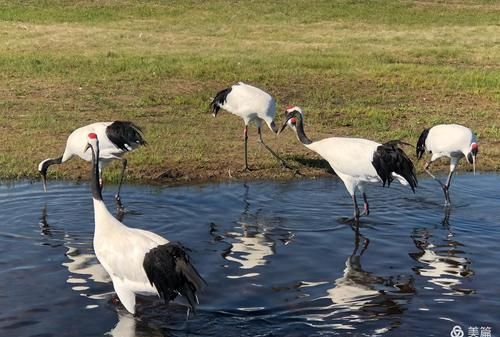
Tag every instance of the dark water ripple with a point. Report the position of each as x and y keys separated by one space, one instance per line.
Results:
x=279 y=258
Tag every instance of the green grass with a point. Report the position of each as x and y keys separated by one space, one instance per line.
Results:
x=377 y=69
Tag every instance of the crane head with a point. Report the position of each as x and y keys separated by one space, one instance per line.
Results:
x=471 y=156
x=42 y=168
x=293 y=115
x=91 y=141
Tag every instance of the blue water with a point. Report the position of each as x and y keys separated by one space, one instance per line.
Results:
x=279 y=259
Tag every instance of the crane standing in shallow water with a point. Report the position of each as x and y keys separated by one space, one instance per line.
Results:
x=251 y=104
x=448 y=140
x=356 y=161
x=116 y=138
x=139 y=261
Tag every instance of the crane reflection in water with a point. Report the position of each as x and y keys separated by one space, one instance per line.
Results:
x=442 y=257
x=360 y=295
x=252 y=240
x=82 y=263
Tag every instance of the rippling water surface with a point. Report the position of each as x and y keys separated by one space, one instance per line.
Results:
x=279 y=258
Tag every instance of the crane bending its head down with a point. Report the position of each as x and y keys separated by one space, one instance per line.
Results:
x=116 y=139
x=252 y=105
x=448 y=140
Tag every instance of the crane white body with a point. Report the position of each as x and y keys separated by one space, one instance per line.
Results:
x=121 y=251
x=448 y=140
x=77 y=140
x=252 y=105
x=356 y=161
x=351 y=159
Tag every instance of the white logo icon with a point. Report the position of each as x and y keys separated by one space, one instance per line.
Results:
x=457 y=331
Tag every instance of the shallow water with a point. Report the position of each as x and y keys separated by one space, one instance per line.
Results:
x=278 y=257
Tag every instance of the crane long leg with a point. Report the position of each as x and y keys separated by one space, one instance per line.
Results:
x=356 y=209
x=445 y=187
x=367 y=207
x=357 y=238
x=446 y=190
x=426 y=169
x=122 y=175
x=245 y=139
x=261 y=141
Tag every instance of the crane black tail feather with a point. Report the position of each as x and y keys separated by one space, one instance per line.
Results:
x=421 y=143
x=219 y=100
x=398 y=142
x=388 y=159
x=125 y=135
x=169 y=269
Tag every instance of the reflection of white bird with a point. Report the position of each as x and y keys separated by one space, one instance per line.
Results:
x=116 y=138
x=253 y=105
x=445 y=270
x=129 y=326
x=448 y=140
x=251 y=250
x=125 y=326
x=357 y=161
x=253 y=241
x=364 y=293
x=82 y=265
x=139 y=261
x=355 y=288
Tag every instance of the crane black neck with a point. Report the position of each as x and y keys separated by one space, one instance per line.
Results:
x=299 y=127
x=94 y=175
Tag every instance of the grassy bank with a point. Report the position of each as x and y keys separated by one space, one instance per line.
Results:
x=379 y=69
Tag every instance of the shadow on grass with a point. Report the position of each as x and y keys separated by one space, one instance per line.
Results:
x=314 y=163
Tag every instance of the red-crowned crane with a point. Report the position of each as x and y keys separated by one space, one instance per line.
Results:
x=139 y=261
x=116 y=138
x=357 y=161
x=448 y=140
x=253 y=105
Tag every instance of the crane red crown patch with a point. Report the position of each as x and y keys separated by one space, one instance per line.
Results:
x=473 y=146
x=92 y=136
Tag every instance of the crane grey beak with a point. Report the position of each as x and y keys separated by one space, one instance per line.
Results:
x=282 y=127
x=471 y=158
x=274 y=127
x=86 y=147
